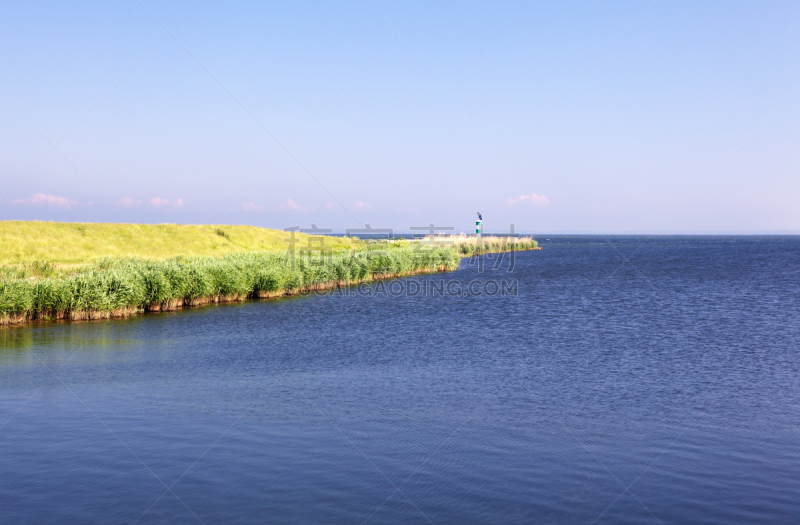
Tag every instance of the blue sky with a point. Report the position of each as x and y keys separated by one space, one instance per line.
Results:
x=578 y=117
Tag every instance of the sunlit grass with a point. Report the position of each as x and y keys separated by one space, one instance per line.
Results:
x=117 y=287
x=90 y=271
x=64 y=243
x=470 y=245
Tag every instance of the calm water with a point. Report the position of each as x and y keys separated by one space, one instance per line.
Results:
x=630 y=380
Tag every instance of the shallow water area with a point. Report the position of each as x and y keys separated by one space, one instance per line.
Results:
x=620 y=380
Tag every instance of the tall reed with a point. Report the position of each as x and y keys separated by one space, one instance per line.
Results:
x=470 y=245
x=115 y=287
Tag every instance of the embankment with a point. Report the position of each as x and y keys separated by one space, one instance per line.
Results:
x=82 y=243
x=121 y=287
x=124 y=287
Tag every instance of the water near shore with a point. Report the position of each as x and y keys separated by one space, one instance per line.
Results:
x=665 y=366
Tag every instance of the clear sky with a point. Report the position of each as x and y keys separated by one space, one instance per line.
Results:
x=593 y=116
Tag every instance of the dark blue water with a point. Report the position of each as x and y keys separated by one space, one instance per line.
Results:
x=624 y=380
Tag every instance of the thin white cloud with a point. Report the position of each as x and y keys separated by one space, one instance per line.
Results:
x=127 y=201
x=536 y=200
x=292 y=205
x=252 y=206
x=359 y=205
x=42 y=199
x=158 y=202
x=332 y=206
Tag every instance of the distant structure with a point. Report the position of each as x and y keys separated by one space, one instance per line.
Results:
x=479 y=225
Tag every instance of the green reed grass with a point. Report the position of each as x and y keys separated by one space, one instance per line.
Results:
x=468 y=246
x=123 y=286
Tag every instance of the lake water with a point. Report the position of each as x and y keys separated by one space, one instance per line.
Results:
x=620 y=380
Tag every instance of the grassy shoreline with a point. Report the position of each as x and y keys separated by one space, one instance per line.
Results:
x=121 y=286
x=129 y=286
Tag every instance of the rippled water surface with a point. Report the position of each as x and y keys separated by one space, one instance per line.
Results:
x=629 y=380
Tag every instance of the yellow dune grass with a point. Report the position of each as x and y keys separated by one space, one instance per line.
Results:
x=77 y=243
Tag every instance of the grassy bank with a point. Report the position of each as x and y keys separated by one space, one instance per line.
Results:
x=119 y=287
x=470 y=245
x=79 y=243
x=95 y=271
